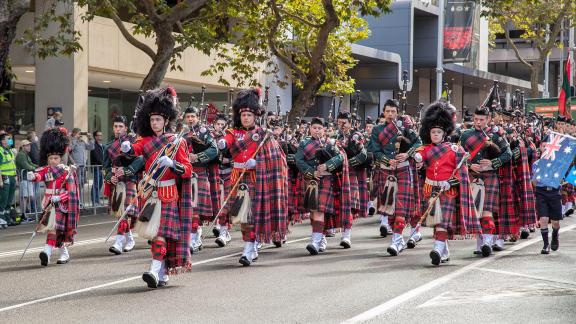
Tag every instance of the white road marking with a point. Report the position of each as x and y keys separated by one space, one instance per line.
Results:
x=117 y=282
x=38 y=249
x=85 y=225
x=490 y=295
x=411 y=294
x=566 y=282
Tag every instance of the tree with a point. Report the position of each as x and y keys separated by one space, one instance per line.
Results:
x=536 y=18
x=10 y=13
x=311 y=37
x=174 y=25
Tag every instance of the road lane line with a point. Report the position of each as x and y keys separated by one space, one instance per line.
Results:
x=411 y=294
x=121 y=281
x=85 y=225
x=516 y=274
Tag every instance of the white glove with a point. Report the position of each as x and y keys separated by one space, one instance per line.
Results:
x=125 y=147
x=30 y=176
x=221 y=144
x=130 y=209
x=250 y=164
x=418 y=157
x=55 y=198
x=165 y=161
x=444 y=186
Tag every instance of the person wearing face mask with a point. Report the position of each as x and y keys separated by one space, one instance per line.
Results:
x=453 y=212
x=8 y=174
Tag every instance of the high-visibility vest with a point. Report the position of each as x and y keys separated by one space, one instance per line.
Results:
x=7 y=164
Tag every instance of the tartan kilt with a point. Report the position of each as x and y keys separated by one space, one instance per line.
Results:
x=361 y=178
x=405 y=200
x=450 y=215
x=492 y=187
x=506 y=220
x=214 y=179
x=226 y=180
x=299 y=213
x=203 y=207
x=567 y=191
x=326 y=194
x=170 y=221
x=354 y=190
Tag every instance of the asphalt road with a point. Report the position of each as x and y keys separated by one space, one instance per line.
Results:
x=287 y=285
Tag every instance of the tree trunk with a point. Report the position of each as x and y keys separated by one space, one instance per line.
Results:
x=157 y=72
x=10 y=13
x=535 y=71
x=305 y=100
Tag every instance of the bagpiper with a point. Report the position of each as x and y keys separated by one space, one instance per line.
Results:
x=204 y=158
x=488 y=150
x=447 y=186
x=259 y=177
x=61 y=198
x=224 y=171
x=325 y=187
x=165 y=190
x=121 y=180
x=393 y=148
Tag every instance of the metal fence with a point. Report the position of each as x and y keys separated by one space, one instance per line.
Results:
x=90 y=180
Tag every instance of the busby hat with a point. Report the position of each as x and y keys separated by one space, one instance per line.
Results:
x=482 y=111
x=562 y=119
x=247 y=100
x=158 y=101
x=437 y=115
x=54 y=141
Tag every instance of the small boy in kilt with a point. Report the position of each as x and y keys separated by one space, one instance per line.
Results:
x=61 y=198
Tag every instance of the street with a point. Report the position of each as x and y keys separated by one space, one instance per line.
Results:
x=287 y=285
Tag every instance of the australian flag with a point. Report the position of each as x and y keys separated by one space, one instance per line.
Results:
x=557 y=155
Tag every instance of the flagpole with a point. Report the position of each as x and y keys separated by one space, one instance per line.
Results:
x=440 y=49
x=546 y=93
x=571 y=53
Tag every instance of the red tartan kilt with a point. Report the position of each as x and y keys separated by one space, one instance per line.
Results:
x=492 y=187
x=214 y=179
x=326 y=195
x=405 y=198
x=506 y=220
x=363 y=194
x=226 y=180
x=203 y=208
x=170 y=221
x=354 y=190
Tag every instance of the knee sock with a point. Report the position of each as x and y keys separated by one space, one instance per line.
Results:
x=158 y=250
x=544 y=232
x=487 y=224
x=317 y=226
x=399 y=224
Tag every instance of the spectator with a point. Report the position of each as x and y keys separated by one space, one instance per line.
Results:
x=23 y=165
x=96 y=160
x=8 y=176
x=77 y=155
x=34 y=146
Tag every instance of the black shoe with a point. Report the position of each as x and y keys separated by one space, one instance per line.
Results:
x=569 y=212
x=524 y=235
x=411 y=243
x=44 y=258
x=150 y=279
x=330 y=234
x=312 y=249
x=244 y=261
x=532 y=229
x=392 y=251
x=114 y=250
x=371 y=211
x=383 y=231
x=477 y=252
x=162 y=284
x=545 y=249
x=435 y=257
x=216 y=232
x=555 y=244
x=277 y=244
x=486 y=250
x=345 y=244
x=497 y=248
